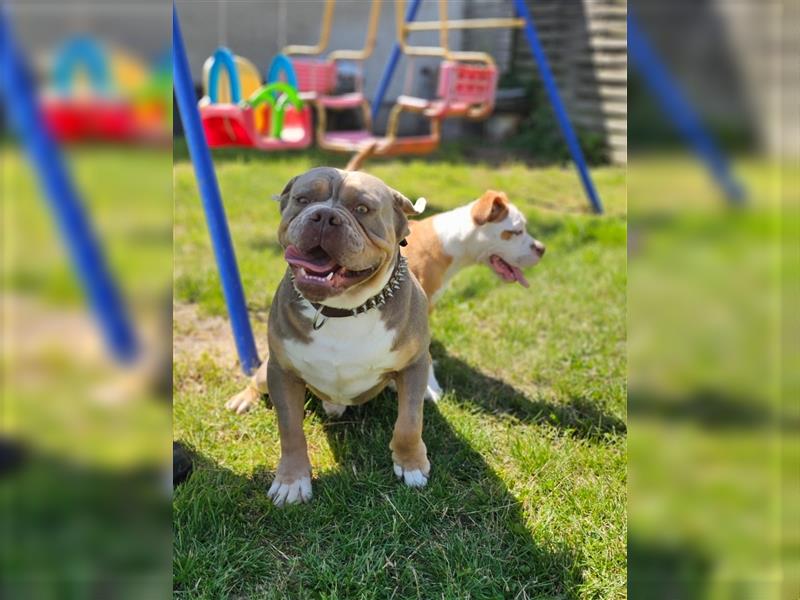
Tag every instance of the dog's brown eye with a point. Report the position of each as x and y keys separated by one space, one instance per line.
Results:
x=362 y=209
x=301 y=200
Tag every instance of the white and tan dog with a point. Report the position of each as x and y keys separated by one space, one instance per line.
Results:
x=489 y=230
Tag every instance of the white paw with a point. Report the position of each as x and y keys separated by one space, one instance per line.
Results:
x=290 y=493
x=412 y=478
x=333 y=410
x=243 y=401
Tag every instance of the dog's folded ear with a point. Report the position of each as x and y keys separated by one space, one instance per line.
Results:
x=491 y=207
x=403 y=208
x=405 y=205
x=283 y=197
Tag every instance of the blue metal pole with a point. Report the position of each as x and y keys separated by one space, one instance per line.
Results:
x=212 y=202
x=558 y=106
x=391 y=65
x=663 y=88
x=65 y=204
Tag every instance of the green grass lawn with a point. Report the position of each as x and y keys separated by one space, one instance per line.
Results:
x=713 y=426
x=528 y=446
x=87 y=508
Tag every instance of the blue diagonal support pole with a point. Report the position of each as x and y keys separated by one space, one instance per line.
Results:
x=64 y=201
x=558 y=106
x=212 y=203
x=391 y=64
x=678 y=110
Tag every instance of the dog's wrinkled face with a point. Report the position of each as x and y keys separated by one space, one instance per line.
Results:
x=340 y=230
x=504 y=242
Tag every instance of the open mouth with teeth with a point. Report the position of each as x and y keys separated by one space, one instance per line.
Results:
x=316 y=268
x=506 y=271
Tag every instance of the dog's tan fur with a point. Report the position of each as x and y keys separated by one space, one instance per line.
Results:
x=491 y=207
x=426 y=257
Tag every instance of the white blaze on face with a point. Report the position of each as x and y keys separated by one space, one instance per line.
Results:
x=489 y=231
x=507 y=246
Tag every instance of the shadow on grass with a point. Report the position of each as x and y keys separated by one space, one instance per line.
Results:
x=708 y=408
x=659 y=570
x=365 y=534
x=579 y=416
x=81 y=530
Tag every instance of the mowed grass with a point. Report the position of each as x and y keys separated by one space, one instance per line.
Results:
x=528 y=447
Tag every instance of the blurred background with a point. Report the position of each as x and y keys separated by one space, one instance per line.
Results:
x=712 y=290
x=85 y=471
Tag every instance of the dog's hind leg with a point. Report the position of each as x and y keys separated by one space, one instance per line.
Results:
x=434 y=391
x=250 y=396
x=333 y=410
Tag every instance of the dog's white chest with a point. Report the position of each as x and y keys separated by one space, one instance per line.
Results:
x=346 y=357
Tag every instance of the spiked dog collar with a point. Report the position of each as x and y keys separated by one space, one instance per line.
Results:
x=324 y=312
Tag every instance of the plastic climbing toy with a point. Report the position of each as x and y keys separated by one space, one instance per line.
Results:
x=273 y=117
x=91 y=110
x=98 y=95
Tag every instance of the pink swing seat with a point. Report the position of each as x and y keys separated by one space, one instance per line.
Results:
x=463 y=90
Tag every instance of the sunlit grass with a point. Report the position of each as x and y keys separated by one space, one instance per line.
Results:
x=527 y=494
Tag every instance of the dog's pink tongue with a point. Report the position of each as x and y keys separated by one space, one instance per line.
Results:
x=295 y=256
x=519 y=276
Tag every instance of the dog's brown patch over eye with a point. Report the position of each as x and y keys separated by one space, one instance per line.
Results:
x=509 y=233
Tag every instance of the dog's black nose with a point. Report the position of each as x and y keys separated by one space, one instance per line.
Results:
x=538 y=247
x=326 y=215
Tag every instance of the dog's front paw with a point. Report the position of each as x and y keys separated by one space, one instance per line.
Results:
x=285 y=491
x=244 y=400
x=411 y=477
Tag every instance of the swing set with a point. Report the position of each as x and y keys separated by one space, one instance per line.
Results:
x=466 y=89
